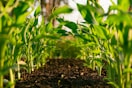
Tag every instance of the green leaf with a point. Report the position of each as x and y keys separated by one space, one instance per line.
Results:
x=113 y=41
x=37 y=11
x=125 y=36
x=121 y=39
x=101 y=32
x=130 y=1
x=96 y=51
x=10 y=2
x=5 y=69
x=4 y=37
x=35 y=22
x=72 y=26
x=13 y=41
x=63 y=32
x=98 y=61
x=84 y=37
x=60 y=10
x=95 y=38
x=40 y=36
x=22 y=18
x=49 y=26
x=21 y=12
x=124 y=19
x=0 y=25
x=87 y=14
x=98 y=9
x=111 y=19
x=21 y=8
x=113 y=84
x=124 y=4
x=127 y=70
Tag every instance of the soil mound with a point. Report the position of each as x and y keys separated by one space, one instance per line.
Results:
x=63 y=73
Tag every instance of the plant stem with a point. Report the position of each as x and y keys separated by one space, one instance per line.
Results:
x=18 y=69
x=128 y=83
x=10 y=70
x=120 y=76
x=12 y=78
x=2 y=56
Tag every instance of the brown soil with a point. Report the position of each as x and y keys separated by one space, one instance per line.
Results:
x=63 y=73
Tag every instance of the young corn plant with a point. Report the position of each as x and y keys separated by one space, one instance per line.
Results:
x=121 y=44
x=91 y=35
x=10 y=20
x=21 y=36
x=113 y=36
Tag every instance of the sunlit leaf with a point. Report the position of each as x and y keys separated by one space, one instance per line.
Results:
x=100 y=32
x=10 y=2
x=113 y=84
x=60 y=10
x=96 y=51
x=123 y=4
x=13 y=41
x=127 y=70
x=22 y=18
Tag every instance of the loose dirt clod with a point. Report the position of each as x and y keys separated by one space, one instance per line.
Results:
x=63 y=73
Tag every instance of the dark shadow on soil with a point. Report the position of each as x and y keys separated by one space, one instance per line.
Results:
x=63 y=73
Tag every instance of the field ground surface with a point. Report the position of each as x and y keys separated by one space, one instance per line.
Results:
x=63 y=73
